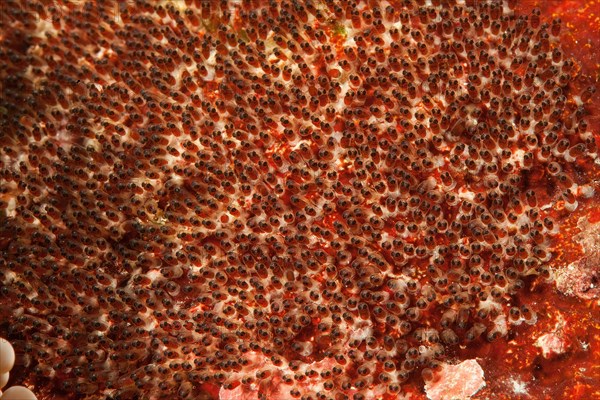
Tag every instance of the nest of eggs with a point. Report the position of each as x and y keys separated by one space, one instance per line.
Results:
x=325 y=195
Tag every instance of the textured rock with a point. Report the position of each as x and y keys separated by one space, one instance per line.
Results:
x=460 y=381
x=581 y=278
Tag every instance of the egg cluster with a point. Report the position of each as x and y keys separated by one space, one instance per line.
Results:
x=7 y=361
x=344 y=190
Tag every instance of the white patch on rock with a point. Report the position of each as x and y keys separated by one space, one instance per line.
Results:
x=460 y=381
x=518 y=387
x=551 y=344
